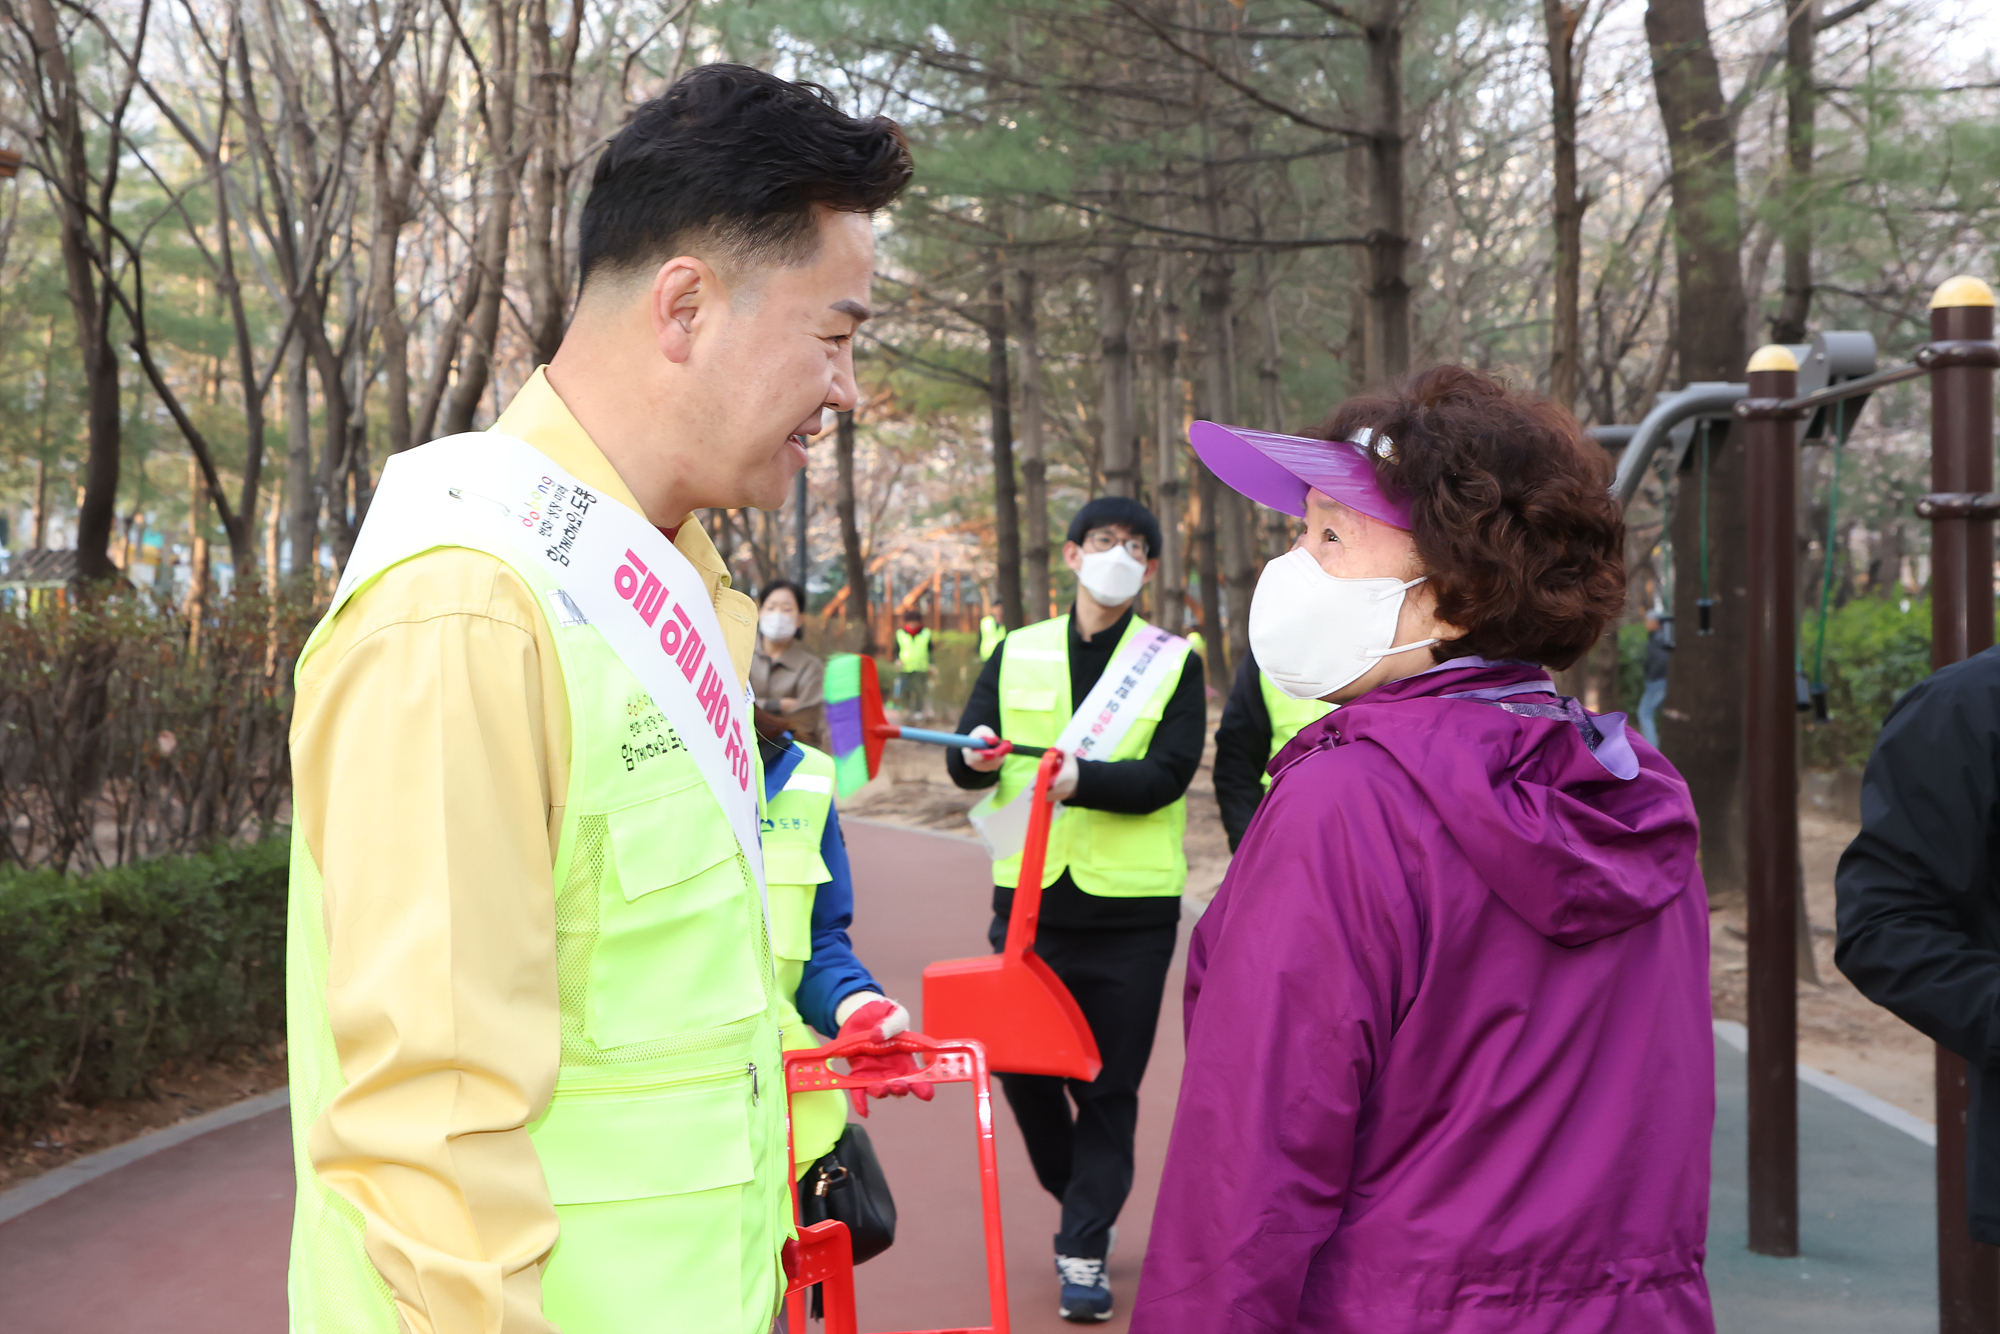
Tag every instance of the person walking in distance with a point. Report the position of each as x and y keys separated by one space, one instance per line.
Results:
x=534 y=1028
x=1124 y=700
x=913 y=661
x=1659 y=661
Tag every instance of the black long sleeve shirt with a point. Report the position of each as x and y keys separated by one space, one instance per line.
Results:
x=1919 y=889
x=1140 y=786
x=1242 y=751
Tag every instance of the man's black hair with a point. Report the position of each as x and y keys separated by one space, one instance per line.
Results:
x=733 y=161
x=1107 y=510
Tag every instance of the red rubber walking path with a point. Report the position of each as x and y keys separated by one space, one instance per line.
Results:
x=192 y=1240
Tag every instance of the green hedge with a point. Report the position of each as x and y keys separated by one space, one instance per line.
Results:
x=1875 y=651
x=104 y=977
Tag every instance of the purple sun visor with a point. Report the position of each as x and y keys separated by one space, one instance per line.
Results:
x=1278 y=470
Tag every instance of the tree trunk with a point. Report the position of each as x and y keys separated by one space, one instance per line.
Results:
x=850 y=531
x=999 y=400
x=1222 y=509
x=1800 y=104
x=1034 y=460
x=548 y=87
x=1388 y=342
x=1119 y=445
x=1565 y=81
x=41 y=528
x=475 y=364
x=301 y=491
x=70 y=180
x=1703 y=734
x=1170 y=424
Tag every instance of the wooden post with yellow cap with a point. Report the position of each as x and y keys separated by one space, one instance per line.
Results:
x=1771 y=787
x=1961 y=357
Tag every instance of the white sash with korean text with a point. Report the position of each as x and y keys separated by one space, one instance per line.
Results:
x=1140 y=667
x=613 y=571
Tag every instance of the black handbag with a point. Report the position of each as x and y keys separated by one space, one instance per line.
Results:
x=848 y=1184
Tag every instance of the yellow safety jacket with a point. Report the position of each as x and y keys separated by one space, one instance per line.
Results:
x=1288 y=716
x=913 y=651
x=991 y=632
x=1113 y=855
x=794 y=825
x=663 y=1143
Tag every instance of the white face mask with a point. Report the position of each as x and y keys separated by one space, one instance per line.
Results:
x=1314 y=633
x=1112 y=577
x=778 y=624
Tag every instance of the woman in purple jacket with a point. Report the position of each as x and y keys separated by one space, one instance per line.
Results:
x=1449 y=1055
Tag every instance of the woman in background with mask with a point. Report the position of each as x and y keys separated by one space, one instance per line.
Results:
x=1449 y=1056
x=789 y=682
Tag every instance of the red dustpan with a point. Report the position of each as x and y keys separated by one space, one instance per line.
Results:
x=1012 y=1001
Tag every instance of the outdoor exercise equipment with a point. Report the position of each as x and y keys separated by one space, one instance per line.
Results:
x=857 y=728
x=1012 y=1001
x=1960 y=360
x=824 y=1253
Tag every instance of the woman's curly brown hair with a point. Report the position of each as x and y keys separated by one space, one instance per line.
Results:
x=1511 y=509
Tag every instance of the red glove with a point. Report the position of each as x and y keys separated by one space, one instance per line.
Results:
x=890 y=1074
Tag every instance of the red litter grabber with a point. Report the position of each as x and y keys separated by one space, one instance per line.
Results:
x=1013 y=1002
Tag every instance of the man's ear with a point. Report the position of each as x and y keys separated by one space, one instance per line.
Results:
x=1072 y=555
x=1152 y=568
x=681 y=288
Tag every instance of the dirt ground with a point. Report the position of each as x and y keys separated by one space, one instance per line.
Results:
x=1840 y=1032
x=179 y=1091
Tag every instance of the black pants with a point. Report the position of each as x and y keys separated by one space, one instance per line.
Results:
x=1084 y=1157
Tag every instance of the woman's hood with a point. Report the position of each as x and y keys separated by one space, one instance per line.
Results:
x=1579 y=851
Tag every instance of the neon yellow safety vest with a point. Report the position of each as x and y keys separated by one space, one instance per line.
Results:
x=794 y=825
x=663 y=1143
x=991 y=632
x=1288 y=716
x=913 y=651
x=1113 y=855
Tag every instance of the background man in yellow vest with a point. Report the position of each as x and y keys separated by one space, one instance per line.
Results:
x=1111 y=891
x=534 y=1024
x=1256 y=723
x=913 y=660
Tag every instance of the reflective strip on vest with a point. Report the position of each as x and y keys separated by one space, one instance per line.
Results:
x=1108 y=854
x=663 y=1144
x=1288 y=716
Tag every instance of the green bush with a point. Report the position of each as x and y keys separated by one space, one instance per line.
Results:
x=104 y=977
x=1875 y=651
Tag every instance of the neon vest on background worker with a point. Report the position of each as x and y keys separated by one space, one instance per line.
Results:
x=1113 y=855
x=664 y=1137
x=914 y=650
x=991 y=632
x=1288 y=716
x=794 y=824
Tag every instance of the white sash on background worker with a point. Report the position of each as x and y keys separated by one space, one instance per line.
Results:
x=1093 y=731
x=613 y=570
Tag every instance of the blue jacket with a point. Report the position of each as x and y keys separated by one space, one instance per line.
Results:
x=833 y=973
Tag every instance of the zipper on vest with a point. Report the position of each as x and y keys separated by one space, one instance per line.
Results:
x=654 y=1084
x=753 y=1084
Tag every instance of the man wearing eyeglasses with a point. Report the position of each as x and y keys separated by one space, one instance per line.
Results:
x=1124 y=700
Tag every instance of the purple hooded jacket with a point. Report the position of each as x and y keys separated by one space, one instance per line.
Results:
x=1450 y=1063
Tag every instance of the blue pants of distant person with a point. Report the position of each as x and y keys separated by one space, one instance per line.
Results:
x=1650 y=699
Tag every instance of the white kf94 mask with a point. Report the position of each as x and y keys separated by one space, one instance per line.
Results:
x=1313 y=633
x=1112 y=576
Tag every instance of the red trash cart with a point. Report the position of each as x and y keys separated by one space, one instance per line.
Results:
x=823 y=1254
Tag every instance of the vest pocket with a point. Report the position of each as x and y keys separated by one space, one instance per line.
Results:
x=791 y=916
x=676 y=950
x=1127 y=842
x=598 y=1147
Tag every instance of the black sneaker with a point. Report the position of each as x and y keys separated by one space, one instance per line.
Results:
x=1086 y=1291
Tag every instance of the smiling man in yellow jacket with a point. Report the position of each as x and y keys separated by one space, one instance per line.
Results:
x=534 y=1027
